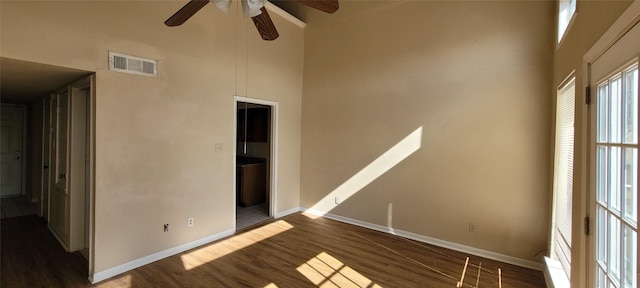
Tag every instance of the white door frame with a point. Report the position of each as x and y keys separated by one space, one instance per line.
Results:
x=88 y=82
x=627 y=20
x=23 y=189
x=273 y=190
x=80 y=227
x=47 y=138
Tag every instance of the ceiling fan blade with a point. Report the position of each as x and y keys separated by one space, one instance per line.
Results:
x=265 y=26
x=185 y=12
x=328 y=6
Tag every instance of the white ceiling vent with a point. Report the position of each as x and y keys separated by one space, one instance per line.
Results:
x=133 y=65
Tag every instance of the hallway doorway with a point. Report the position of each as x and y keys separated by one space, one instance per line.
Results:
x=254 y=159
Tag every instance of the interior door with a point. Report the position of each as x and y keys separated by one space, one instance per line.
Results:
x=11 y=150
x=78 y=166
x=58 y=203
x=614 y=164
x=47 y=131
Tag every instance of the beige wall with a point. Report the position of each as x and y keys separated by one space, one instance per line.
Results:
x=592 y=19
x=155 y=160
x=475 y=76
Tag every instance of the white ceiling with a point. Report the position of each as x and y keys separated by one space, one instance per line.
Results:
x=23 y=82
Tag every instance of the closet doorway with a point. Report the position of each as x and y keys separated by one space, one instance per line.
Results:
x=255 y=150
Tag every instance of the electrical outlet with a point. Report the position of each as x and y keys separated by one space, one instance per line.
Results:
x=218 y=147
x=472 y=227
x=166 y=227
x=190 y=222
x=338 y=200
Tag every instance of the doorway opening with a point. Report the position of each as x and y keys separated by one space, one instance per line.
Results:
x=12 y=122
x=60 y=135
x=255 y=130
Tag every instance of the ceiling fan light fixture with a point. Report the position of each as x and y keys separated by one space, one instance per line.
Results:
x=223 y=5
x=251 y=8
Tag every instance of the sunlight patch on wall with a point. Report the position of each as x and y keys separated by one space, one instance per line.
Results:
x=220 y=249
x=368 y=174
x=325 y=270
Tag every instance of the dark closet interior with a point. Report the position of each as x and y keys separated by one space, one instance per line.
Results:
x=252 y=163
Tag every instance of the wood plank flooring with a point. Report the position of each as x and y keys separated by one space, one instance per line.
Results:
x=293 y=251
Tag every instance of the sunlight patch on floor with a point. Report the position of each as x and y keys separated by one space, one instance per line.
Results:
x=368 y=174
x=325 y=270
x=220 y=249
x=271 y=285
x=123 y=281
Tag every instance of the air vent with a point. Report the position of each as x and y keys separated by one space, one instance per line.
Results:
x=133 y=65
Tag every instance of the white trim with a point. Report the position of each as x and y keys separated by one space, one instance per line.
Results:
x=287 y=212
x=58 y=237
x=106 y=274
x=554 y=274
x=433 y=241
x=284 y=14
x=615 y=32
x=91 y=120
x=25 y=159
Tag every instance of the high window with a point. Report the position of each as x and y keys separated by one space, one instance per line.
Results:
x=566 y=10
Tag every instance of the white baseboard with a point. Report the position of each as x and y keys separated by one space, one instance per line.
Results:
x=287 y=212
x=106 y=274
x=60 y=239
x=434 y=241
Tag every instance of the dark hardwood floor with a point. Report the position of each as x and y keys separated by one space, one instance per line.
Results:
x=32 y=257
x=293 y=251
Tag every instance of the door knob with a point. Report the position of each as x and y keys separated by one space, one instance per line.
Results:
x=18 y=155
x=61 y=176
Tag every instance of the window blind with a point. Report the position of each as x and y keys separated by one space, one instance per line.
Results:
x=563 y=175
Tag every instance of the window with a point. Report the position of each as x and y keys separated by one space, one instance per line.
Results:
x=566 y=10
x=563 y=176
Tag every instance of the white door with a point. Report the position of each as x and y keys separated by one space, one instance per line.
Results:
x=47 y=132
x=11 y=147
x=58 y=204
x=78 y=165
x=614 y=165
x=70 y=188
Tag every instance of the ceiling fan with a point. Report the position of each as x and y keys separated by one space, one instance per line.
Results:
x=251 y=8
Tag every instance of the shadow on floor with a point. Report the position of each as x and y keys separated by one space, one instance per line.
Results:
x=16 y=206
